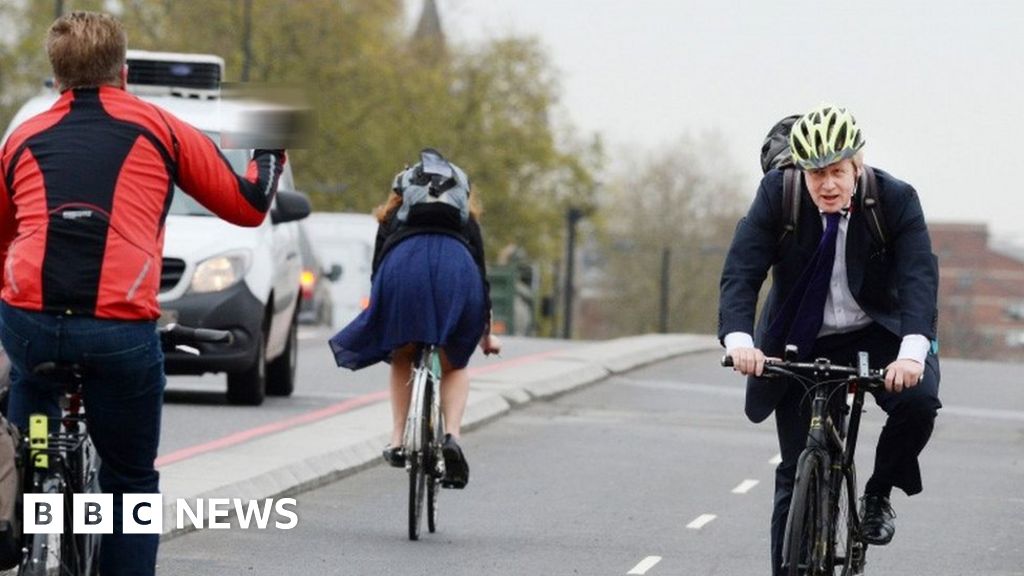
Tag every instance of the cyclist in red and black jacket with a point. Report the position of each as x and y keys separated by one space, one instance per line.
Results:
x=84 y=192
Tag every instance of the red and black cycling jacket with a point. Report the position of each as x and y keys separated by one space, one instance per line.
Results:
x=84 y=192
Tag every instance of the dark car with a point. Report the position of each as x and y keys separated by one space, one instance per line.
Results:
x=316 y=306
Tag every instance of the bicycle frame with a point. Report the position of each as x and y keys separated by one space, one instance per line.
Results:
x=825 y=467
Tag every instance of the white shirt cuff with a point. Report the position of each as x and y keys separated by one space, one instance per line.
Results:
x=913 y=347
x=734 y=340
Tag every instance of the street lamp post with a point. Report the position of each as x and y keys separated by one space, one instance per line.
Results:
x=573 y=217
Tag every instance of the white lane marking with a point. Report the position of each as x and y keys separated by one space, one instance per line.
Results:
x=701 y=521
x=645 y=565
x=776 y=460
x=745 y=486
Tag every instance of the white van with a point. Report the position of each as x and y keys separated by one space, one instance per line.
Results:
x=216 y=274
x=345 y=239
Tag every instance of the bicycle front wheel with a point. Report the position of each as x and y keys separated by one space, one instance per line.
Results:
x=418 y=450
x=804 y=543
x=847 y=556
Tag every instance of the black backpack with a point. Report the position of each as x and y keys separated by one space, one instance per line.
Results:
x=10 y=493
x=775 y=154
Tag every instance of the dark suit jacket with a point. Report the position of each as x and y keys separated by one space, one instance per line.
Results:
x=896 y=284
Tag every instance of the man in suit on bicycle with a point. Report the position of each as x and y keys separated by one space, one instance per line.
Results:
x=84 y=189
x=835 y=291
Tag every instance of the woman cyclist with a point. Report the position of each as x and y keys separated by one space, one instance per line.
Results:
x=429 y=287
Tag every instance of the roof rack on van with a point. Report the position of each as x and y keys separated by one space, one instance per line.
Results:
x=196 y=76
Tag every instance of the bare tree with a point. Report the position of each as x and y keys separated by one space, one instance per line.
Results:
x=685 y=199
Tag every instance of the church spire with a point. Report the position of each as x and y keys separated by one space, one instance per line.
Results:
x=428 y=29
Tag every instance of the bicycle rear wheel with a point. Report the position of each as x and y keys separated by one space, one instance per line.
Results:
x=48 y=553
x=417 y=487
x=436 y=436
x=804 y=543
x=433 y=493
x=84 y=549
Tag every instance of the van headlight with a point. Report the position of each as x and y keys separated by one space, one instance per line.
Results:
x=220 y=272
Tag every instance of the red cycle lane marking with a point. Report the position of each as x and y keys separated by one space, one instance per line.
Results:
x=327 y=412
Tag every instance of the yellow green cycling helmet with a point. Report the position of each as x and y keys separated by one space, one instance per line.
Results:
x=824 y=136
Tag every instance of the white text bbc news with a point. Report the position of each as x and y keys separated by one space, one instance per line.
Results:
x=143 y=514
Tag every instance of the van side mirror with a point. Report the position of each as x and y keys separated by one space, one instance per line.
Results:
x=334 y=273
x=290 y=206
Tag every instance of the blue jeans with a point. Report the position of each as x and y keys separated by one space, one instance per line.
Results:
x=123 y=394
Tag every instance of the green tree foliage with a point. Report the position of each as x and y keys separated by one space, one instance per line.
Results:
x=23 y=64
x=378 y=97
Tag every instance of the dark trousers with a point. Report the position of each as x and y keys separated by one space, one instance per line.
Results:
x=911 y=417
x=123 y=394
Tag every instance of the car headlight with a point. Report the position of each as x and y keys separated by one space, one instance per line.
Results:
x=220 y=272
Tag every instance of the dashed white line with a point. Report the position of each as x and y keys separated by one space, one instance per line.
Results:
x=745 y=486
x=701 y=521
x=645 y=565
x=776 y=460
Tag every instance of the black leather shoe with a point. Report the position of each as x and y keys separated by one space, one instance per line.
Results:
x=394 y=456
x=877 y=522
x=456 y=468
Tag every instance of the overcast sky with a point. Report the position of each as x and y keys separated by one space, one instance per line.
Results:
x=935 y=85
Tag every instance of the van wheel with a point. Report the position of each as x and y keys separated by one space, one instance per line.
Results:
x=281 y=372
x=248 y=387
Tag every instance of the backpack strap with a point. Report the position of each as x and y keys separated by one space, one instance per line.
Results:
x=869 y=202
x=790 y=201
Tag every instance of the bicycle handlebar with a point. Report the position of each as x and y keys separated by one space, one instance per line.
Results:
x=173 y=335
x=861 y=373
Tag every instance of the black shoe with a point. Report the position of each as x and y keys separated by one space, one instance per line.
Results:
x=878 y=524
x=394 y=456
x=456 y=468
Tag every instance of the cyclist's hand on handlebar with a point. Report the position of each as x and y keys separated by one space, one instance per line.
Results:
x=903 y=374
x=490 y=344
x=748 y=361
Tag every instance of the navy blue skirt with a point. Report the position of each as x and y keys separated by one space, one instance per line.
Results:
x=428 y=290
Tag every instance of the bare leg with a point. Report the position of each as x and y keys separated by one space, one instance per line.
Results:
x=454 y=394
x=401 y=371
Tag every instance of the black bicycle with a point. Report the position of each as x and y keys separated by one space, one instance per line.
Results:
x=61 y=460
x=823 y=529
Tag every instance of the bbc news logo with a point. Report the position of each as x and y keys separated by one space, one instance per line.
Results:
x=143 y=513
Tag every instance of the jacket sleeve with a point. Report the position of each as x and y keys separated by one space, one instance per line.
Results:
x=751 y=254
x=205 y=174
x=917 y=274
x=476 y=244
x=383 y=230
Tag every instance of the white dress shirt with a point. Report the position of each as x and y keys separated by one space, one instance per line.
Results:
x=842 y=313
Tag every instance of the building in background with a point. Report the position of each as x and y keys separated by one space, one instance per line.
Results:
x=981 y=294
